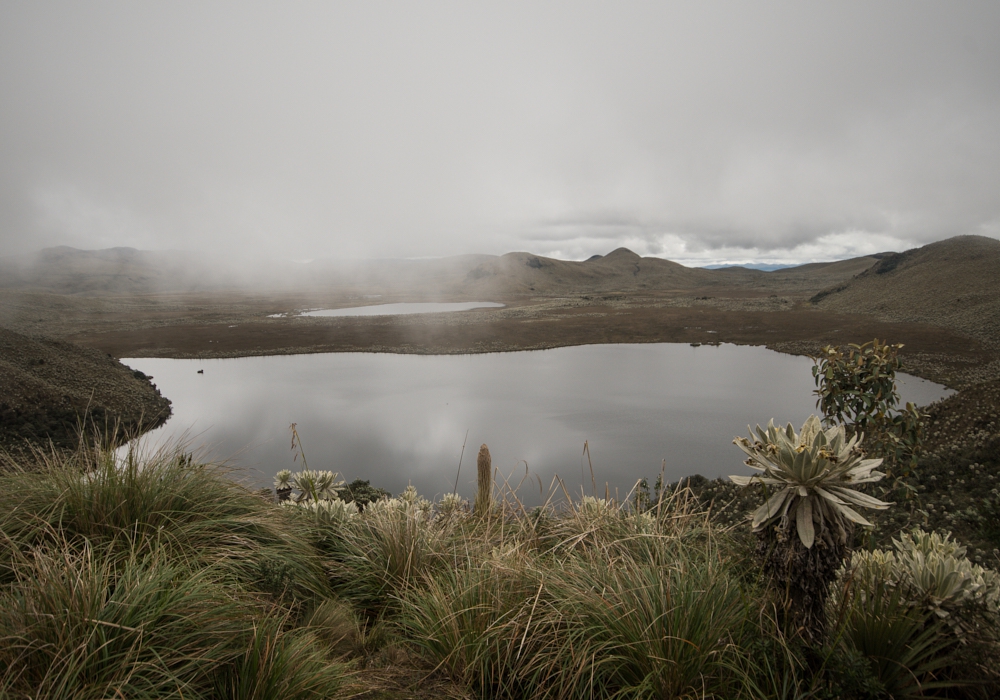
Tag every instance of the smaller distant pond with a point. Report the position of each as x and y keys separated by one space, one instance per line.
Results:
x=404 y=308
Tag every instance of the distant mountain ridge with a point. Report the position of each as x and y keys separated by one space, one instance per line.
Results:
x=127 y=271
x=763 y=267
x=66 y=270
x=623 y=270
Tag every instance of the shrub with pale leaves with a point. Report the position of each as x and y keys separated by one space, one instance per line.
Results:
x=811 y=478
x=595 y=509
x=409 y=503
x=333 y=511
x=310 y=484
x=414 y=500
x=931 y=571
x=452 y=506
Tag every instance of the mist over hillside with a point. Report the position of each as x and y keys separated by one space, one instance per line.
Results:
x=127 y=271
x=125 y=300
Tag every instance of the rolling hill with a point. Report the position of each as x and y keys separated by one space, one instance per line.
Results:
x=108 y=272
x=624 y=271
x=953 y=283
x=120 y=272
x=620 y=270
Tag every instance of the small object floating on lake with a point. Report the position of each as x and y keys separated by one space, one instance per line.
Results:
x=201 y=371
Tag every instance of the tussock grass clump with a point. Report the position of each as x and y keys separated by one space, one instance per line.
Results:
x=647 y=632
x=161 y=501
x=277 y=664
x=155 y=578
x=588 y=601
x=378 y=554
x=82 y=622
x=78 y=622
x=473 y=623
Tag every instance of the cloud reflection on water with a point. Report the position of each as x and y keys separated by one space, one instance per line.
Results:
x=396 y=419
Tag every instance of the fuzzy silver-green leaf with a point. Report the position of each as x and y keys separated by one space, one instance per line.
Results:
x=813 y=473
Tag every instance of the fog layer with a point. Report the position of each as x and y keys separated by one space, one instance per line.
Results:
x=703 y=133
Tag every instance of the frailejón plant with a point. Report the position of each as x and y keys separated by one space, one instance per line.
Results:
x=310 y=485
x=810 y=479
x=283 y=484
x=932 y=572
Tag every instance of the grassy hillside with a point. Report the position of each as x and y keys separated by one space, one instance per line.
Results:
x=51 y=389
x=953 y=283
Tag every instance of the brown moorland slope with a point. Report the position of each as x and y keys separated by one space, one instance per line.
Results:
x=47 y=387
x=953 y=283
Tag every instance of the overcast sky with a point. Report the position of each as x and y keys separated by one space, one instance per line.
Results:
x=700 y=132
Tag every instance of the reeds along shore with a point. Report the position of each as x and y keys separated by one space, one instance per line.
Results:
x=161 y=577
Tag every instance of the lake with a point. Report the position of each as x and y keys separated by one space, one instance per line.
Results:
x=404 y=308
x=399 y=419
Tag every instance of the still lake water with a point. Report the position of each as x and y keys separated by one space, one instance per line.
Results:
x=405 y=308
x=397 y=419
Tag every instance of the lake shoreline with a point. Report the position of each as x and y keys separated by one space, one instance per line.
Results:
x=931 y=352
x=400 y=418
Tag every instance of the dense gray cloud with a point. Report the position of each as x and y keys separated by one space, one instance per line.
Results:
x=701 y=132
